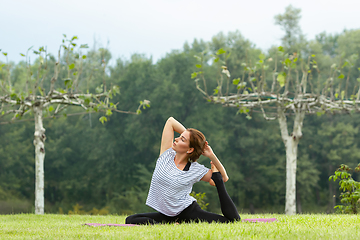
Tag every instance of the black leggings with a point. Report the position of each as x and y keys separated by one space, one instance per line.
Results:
x=194 y=212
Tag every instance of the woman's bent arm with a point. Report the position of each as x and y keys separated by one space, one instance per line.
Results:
x=220 y=167
x=208 y=152
x=167 y=138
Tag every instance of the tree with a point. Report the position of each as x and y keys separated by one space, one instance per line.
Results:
x=39 y=96
x=289 y=22
x=290 y=91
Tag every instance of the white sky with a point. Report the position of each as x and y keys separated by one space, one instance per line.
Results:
x=155 y=27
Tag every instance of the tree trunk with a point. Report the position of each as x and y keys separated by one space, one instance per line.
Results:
x=291 y=145
x=39 y=143
x=291 y=157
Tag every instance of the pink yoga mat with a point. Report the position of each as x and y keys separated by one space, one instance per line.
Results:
x=132 y=225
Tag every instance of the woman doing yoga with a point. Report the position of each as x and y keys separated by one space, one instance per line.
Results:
x=175 y=173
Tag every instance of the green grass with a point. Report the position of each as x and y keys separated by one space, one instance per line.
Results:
x=30 y=226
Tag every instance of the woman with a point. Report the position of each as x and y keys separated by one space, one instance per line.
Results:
x=175 y=173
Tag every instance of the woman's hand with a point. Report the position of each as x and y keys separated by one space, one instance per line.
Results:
x=216 y=165
x=208 y=152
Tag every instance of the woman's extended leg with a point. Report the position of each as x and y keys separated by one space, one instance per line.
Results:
x=195 y=213
x=228 y=207
x=149 y=218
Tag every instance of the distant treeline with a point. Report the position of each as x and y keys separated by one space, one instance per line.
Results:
x=110 y=166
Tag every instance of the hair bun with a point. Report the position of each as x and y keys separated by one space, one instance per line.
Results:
x=197 y=141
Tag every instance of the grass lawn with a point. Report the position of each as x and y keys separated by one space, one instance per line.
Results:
x=49 y=226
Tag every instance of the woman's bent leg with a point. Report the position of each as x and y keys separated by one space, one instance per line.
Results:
x=148 y=218
x=196 y=214
x=228 y=207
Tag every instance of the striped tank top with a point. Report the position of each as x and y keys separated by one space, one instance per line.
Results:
x=170 y=187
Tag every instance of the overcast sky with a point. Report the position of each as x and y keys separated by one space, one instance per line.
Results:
x=156 y=27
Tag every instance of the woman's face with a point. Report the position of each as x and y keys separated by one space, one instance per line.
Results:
x=182 y=143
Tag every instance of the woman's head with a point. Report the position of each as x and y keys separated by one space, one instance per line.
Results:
x=191 y=142
x=197 y=142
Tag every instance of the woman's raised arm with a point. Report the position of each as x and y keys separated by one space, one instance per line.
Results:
x=208 y=152
x=167 y=137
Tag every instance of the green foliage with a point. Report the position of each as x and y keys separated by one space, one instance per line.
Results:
x=289 y=21
x=77 y=210
x=14 y=205
x=103 y=119
x=200 y=199
x=350 y=196
x=281 y=79
x=220 y=51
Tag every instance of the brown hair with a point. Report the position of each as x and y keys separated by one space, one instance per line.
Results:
x=197 y=141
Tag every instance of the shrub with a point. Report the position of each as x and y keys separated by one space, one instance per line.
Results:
x=350 y=196
x=77 y=210
x=200 y=199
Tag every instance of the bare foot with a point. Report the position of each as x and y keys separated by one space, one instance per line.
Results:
x=213 y=168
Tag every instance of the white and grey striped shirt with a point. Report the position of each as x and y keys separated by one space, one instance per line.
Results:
x=170 y=187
